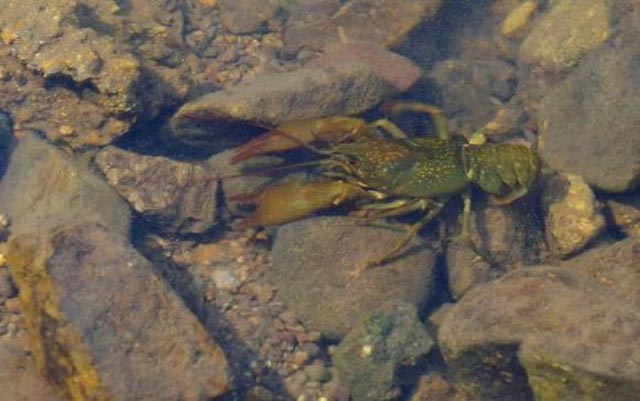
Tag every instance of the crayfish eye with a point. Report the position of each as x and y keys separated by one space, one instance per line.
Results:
x=353 y=163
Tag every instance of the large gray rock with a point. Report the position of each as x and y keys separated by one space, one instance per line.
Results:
x=44 y=188
x=550 y=333
x=588 y=124
x=269 y=100
x=105 y=326
x=313 y=262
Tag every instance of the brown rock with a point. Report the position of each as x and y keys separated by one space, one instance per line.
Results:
x=313 y=260
x=246 y=16
x=81 y=55
x=95 y=67
x=179 y=197
x=434 y=387
x=104 y=326
x=625 y=214
x=572 y=214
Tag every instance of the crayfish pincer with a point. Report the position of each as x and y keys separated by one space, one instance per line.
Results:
x=381 y=172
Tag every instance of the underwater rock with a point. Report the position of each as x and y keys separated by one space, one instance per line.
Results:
x=511 y=234
x=566 y=33
x=98 y=66
x=397 y=70
x=44 y=187
x=613 y=266
x=586 y=123
x=467 y=89
x=625 y=214
x=20 y=379
x=573 y=216
x=269 y=100
x=59 y=50
x=103 y=325
x=176 y=196
x=544 y=332
x=435 y=387
x=518 y=19
x=6 y=141
x=374 y=359
x=247 y=16
x=313 y=262
x=312 y=25
x=7 y=290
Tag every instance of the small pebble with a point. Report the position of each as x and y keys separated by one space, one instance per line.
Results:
x=258 y=393
x=13 y=305
x=300 y=357
x=226 y=280
x=7 y=290
x=317 y=372
x=311 y=349
x=294 y=384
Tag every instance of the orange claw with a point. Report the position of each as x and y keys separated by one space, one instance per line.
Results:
x=295 y=199
x=299 y=132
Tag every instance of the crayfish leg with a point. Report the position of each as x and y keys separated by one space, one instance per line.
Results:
x=465 y=236
x=439 y=119
x=409 y=234
x=389 y=127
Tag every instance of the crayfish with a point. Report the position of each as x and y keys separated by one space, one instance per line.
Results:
x=384 y=173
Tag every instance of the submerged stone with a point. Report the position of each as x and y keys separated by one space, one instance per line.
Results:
x=588 y=123
x=269 y=100
x=313 y=263
x=44 y=187
x=104 y=326
x=544 y=333
x=374 y=359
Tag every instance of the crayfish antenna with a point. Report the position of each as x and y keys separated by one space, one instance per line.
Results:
x=253 y=220
x=270 y=170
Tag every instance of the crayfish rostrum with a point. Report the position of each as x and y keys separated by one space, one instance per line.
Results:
x=384 y=173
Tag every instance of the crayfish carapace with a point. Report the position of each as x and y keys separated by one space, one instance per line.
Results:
x=391 y=174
